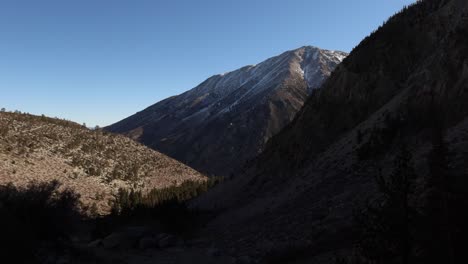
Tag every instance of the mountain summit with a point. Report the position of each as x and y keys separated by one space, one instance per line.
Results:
x=226 y=120
x=403 y=89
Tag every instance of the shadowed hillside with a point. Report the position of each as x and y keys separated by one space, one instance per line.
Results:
x=301 y=192
x=93 y=163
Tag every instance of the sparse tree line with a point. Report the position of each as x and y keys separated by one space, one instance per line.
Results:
x=37 y=221
x=378 y=138
x=417 y=216
x=130 y=200
x=412 y=13
x=407 y=223
x=165 y=207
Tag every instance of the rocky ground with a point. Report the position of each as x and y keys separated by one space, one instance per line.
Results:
x=145 y=245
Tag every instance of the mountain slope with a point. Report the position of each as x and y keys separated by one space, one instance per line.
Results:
x=93 y=163
x=302 y=190
x=227 y=119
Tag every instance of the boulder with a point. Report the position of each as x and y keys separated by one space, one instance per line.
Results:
x=147 y=242
x=213 y=252
x=113 y=240
x=166 y=240
x=121 y=240
x=244 y=260
x=129 y=237
x=95 y=243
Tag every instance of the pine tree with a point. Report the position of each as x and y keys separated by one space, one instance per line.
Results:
x=437 y=232
x=386 y=224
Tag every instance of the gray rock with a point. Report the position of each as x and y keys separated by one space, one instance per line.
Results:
x=244 y=260
x=63 y=260
x=129 y=237
x=197 y=242
x=147 y=242
x=213 y=252
x=230 y=260
x=166 y=240
x=121 y=240
x=112 y=241
x=95 y=243
x=177 y=250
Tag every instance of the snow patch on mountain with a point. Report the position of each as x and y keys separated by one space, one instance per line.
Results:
x=231 y=89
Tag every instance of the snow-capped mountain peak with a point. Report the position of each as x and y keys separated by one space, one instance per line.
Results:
x=248 y=104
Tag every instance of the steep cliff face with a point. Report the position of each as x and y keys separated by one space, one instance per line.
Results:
x=227 y=119
x=304 y=187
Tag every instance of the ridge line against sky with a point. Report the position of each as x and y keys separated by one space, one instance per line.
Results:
x=98 y=61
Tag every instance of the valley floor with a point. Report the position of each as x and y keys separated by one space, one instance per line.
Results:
x=200 y=253
x=169 y=256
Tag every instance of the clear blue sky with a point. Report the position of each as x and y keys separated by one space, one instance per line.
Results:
x=98 y=61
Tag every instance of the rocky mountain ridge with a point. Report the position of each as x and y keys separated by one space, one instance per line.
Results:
x=226 y=120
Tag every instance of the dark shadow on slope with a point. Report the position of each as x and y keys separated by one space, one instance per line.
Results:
x=35 y=220
x=162 y=211
x=41 y=223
